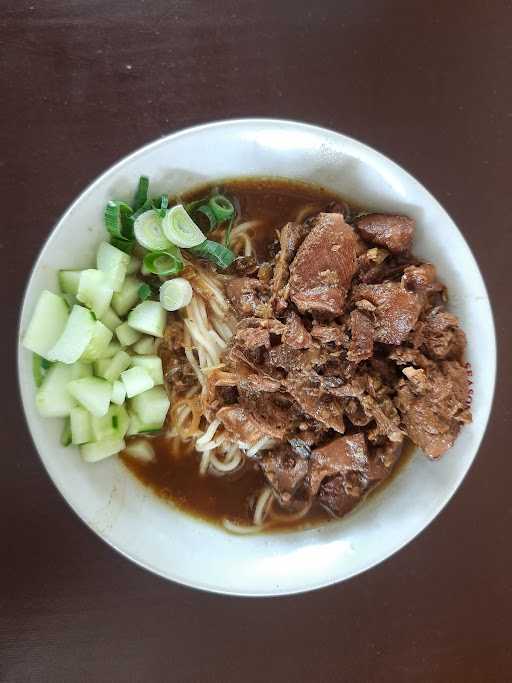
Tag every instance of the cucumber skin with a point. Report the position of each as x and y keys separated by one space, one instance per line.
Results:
x=47 y=323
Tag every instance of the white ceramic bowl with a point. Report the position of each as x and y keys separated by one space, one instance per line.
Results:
x=168 y=542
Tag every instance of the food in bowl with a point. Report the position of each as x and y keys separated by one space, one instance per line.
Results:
x=260 y=353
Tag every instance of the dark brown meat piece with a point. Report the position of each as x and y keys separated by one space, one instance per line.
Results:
x=322 y=271
x=251 y=338
x=329 y=333
x=440 y=336
x=241 y=426
x=344 y=454
x=433 y=404
x=270 y=408
x=290 y=238
x=295 y=334
x=342 y=493
x=396 y=310
x=285 y=471
x=361 y=344
x=421 y=279
x=393 y=232
x=245 y=294
x=307 y=390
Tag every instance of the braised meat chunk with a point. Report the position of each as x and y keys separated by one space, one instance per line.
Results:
x=393 y=232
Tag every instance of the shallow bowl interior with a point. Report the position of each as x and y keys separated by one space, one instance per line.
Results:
x=155 y=535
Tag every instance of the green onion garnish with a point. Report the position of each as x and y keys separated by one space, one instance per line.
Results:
x=123 y=245
x=148 y=231
x=221 y=207
x=207 y=211
x=175 y=294
x=213 y=251
x=180 y=229
x=144 y=292
x=141 y=195
x=118 y=220
x=168 y=262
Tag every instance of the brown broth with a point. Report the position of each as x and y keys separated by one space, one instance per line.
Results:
x=174 y=476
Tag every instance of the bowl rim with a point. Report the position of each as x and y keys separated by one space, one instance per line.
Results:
x=255 y=121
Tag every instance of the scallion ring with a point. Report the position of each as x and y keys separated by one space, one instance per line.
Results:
x=148 y=231
x=118 y=220
x=180 y=229
x=144 y=292
x=213 y=251
x=168 y=262
x=141 y=196
x=221 y=207
x=206 y=210
x=175 y=294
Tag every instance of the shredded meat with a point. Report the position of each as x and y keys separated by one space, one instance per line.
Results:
x=342 y=350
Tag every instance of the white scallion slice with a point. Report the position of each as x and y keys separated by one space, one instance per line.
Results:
x=126 y=299
x=118 y=393
x=81 y=429
x=97 y=347
x=127 y=335
x=75 y=338
x=180 y=229
x=136 y=381
x=92 y=393
x=149 y=233
x=69 y=280
x=151 y=407
x=95 y=291
x=47 y=323
x=53 y=398
x=148 y=317
x=152 y=365
x=113 y=263
x=145 y=346
x=175 y=294
x=99 y=450
x=120 y=362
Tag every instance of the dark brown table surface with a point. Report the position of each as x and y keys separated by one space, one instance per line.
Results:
x=84 y=82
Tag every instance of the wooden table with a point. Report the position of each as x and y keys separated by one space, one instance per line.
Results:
x=83 y=83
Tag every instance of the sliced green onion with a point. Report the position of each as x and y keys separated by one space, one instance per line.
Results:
x=148 y=204
x=124 y=245
x=192 y=206
x=175 y=294
x=168 y=262
x=180 y=229
x=144 y=292
x=213 y=251
x=141 y=195
x=221 y=207
x=149 y=233
x=164 y=203
x=227 y=236
x=118 y=220
x=207 y=211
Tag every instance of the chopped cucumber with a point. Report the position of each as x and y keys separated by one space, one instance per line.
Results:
x=120 y=362
x=53 y=398
x=101 y=338
x=69 y=280
x=111 y=350
x=65 y=437
x=152 y=365
x=76 y=336
x=148 y=317
x=145 y=346
x=151 y=407
x=118 y=393
x=134 y=265
x=47 y=323
x=95 y=291
x=113 y=424
x=126 y=299
x=81 y=429
x=39 y=367
x=138 y=427
x=113 y=262
x=100 y=367
x=99 y=450
x=136 y=381
x=140 y=449
x=127 y=335
x=92 y=393
x=110 y=319
x=80 y=370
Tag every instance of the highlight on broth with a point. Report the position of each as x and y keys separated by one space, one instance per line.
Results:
x=276 y=350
